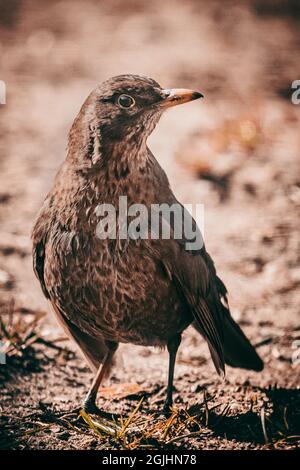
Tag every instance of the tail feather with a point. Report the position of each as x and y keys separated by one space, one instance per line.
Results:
x=238 y=351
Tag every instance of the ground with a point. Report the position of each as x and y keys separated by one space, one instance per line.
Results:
x=236 y=152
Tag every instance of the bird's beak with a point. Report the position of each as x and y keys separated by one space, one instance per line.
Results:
x=175 y=96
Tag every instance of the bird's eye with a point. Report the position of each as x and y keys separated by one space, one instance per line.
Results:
x=126 y=101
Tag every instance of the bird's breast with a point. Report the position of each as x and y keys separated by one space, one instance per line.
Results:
x=120 y=293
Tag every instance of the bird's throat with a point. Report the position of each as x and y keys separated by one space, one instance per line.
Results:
x=124 y=161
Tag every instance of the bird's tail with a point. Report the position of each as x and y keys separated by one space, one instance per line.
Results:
x=236 y=348
x=238 y=351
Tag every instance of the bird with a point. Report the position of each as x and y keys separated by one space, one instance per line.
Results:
x=136 y=290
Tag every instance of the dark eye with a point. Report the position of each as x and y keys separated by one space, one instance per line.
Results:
x=126 y=101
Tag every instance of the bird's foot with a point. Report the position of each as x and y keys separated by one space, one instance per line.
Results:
x=90 y=407
x=167 y=411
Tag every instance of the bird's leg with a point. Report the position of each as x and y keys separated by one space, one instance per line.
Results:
x=89 y=404
x=173 y=345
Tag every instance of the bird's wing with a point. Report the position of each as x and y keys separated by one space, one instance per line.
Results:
x=194 y=274
x=93 y=349
x=39 y=237
x=191 y=270
x=193 y=278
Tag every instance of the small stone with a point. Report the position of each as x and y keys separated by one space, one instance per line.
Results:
x=64 y=436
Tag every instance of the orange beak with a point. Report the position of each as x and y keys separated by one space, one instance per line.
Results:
x=175 y=96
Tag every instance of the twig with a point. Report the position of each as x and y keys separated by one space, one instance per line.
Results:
x=263 y=424
x=130 y=418
x=183 y=436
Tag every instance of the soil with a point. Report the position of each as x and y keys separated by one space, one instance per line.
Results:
x=237 y=152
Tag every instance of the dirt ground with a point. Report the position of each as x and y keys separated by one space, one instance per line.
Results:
x=237 y=152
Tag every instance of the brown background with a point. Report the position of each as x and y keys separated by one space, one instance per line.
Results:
x=237 y=151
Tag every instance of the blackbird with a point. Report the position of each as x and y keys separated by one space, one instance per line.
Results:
x=113 y=289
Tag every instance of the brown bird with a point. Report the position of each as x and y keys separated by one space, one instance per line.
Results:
x=140 y=290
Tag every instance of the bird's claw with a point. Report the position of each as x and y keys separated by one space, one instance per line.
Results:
x=90 y=407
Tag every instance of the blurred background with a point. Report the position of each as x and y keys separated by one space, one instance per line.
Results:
x=237 y=152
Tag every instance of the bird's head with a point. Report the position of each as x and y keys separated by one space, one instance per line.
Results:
x=129 y=105
x=125 y=109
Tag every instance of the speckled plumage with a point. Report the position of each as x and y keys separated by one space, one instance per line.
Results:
x=144 y=292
